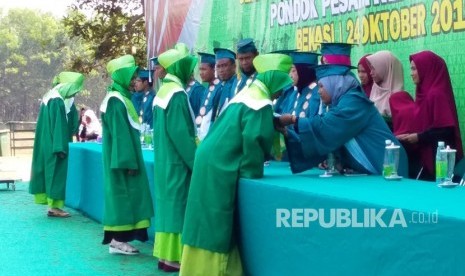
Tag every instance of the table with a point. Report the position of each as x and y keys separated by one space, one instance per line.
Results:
x=84 y=190
x=272 y=244
x=424 y=247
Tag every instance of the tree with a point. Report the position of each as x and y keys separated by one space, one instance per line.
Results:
x=33 y=48
x=111 y=28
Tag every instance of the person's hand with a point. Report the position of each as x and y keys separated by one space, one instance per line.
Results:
x=132 y=172
x=282 y=121
x=277 y=126
x=287 y=119
x=411 y=138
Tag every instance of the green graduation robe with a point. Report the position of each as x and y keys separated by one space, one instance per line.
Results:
x=48 y=172
x=127 y=198
x=174 y=149
x=235 y=147
x=73 y=118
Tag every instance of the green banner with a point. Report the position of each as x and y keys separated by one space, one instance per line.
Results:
x=403 y=27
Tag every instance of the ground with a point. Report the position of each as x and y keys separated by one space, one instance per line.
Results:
x=33 y=244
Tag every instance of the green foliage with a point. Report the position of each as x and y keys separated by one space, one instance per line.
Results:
x=35 y=46
x=110 y=28
x=31 y=53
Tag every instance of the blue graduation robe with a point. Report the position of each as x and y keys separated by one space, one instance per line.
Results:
x=244 y=81
x=143 y=102
x=196 y=93
x=353 y=127
x=204 y=119
x=285 y=102
x=222 y=99
x=136 y=99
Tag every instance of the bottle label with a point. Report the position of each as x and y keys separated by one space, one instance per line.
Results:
x=441 y=169
x=387 y=170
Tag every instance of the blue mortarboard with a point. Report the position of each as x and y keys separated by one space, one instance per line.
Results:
x=246 y=45
x=308 y=58
x=326 y=70
x=207 y=58
x=144 y=73
x=224 y=53
x=335 y=48
x=336 y=53
x=154 y=61
x=286 y=52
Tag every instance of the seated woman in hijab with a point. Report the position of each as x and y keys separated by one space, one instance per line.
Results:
x=432 y=117
x=388 y=77
x=364 y=74
x=352 y=127
x=90 y=127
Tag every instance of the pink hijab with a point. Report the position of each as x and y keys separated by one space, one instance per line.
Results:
x=366 y=87
x=435 y=103
x=390 y=69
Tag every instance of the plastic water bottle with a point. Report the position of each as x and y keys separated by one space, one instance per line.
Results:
x=387 y=165
x=441 y=163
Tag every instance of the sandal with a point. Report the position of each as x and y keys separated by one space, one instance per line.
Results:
x=161 y=265
x=58 y=213
x=171 y=266
x=117 y=247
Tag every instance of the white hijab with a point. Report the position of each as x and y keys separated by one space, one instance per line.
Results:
x=94 y=125
x=389 y=68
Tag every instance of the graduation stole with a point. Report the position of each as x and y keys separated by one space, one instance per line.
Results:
x=171 y=85
x=51 y=94
x=131 y=111
x=256 y=96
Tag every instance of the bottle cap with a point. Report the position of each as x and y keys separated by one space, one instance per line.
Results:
x=393 y=146
x=448 y=150
x=441 y=144
x=388 y=142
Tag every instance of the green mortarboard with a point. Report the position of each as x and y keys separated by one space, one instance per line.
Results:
x=167 y=58
x=307 y=58
x=326 y=70
x=246 y=45
x=68 y=77
x=207 y=58
x=69 y=83
x=272 y=62
x=182 y=48
x=336 y=53
x=221 y=53
x=121 y=62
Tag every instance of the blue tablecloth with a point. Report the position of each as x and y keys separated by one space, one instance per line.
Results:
x=85 y=182
x=430 y=242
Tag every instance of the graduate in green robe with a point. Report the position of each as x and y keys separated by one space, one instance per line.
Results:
x=50 y=153
x=73 y=117
x=71 y=111
x=128 y=205
x=174 y=149
x=235 y=147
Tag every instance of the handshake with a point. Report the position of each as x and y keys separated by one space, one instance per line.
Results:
x=280 y=122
